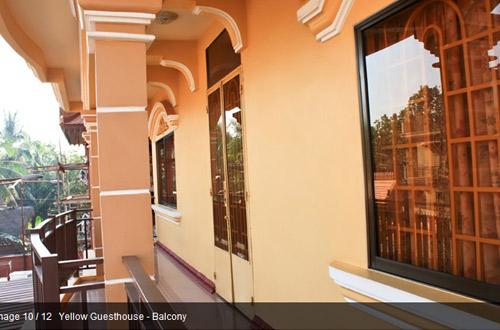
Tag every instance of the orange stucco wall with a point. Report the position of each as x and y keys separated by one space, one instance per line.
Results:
x=303 y=155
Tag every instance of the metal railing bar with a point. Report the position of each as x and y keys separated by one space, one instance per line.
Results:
x=68 y=264
x=145 y=286
x=82 y=287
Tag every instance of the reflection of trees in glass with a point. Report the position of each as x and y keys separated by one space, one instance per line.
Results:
x=234 y=148
x=416 y=139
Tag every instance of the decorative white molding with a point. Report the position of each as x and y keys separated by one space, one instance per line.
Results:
x=309 y=10
x=93 y=16
x=372 y=289
x=197 y=10
x=178 y=223
x=120 y=109
x=172 y=121
x=183 y=68
x=157 y=107
x=72 y=7
x=167 y=89
x=92 y=36
x=88 y=115
x=81 y=19
x=338 y=23
x=125 y=192
x=436 y=312
x=169 y=212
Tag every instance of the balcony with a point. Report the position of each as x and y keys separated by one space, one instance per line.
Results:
x=60 y=276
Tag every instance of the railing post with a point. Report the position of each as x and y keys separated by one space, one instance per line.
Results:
x=50 y=276
x=48 y=307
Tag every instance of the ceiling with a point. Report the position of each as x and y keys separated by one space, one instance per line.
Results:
x=186 y=27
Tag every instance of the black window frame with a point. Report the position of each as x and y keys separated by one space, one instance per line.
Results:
x=473 y=288
x=161 y=200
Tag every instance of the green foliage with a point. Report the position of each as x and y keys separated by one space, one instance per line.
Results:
x=18 y=152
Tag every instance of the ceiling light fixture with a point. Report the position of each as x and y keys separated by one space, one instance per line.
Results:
x=166 y=17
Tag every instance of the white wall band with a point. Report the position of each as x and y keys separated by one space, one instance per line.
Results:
x=120 y=109
x=125 y=192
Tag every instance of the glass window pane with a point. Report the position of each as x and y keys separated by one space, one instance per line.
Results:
x=432 y=77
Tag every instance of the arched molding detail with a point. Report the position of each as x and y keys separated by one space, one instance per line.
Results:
x=159 y=112
x=310 y=10
x=166 y=88
x=182 y=68
x=228 y=22
x=325 y=19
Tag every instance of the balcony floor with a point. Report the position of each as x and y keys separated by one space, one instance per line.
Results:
x=17 y=290
x=176 y=284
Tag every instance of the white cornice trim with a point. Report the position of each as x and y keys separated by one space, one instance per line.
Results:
x=125 y=192
x=197 y=10
x=309 y=10
x=72 y=7
x=92 y=36
x=167 y=89
x=120 y=109
x=183 y=68
x=94 y=16
x=436 y=312
x=178 y=223
x=372 y=289
x=338 y=23
x=81 y=19
x=167 y=211
x=158 y=105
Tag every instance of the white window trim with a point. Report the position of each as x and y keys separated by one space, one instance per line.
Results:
x=437 y=312
x=166 y=211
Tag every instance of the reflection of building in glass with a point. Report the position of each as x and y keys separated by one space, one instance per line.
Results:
x=442 y=211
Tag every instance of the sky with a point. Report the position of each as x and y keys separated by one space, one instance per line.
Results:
x=396 y=73
x=21 y=91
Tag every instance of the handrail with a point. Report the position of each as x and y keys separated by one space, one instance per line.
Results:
x=55 y=259
x=147 y=289
x=38 y=247
x=146 y=298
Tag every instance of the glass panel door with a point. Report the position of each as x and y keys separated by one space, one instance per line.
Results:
x=233 y=270
x=217 y=172
x=235 y=167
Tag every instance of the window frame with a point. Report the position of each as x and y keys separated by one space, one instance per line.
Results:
x=158 y=169
x=457 y=284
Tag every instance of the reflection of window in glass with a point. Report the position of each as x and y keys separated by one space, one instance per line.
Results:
x=433 y=96
x=165 y=163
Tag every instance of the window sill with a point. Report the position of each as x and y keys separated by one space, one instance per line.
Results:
x=367 y=285
x=167 y=213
